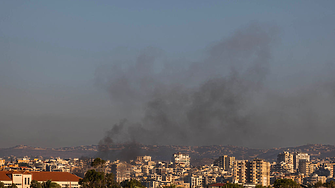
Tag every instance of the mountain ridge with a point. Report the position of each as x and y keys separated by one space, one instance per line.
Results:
x=164 y=152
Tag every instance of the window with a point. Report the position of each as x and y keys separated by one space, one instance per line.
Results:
x=28 y=181
x=25 y=181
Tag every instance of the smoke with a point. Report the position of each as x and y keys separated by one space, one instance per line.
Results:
x=107 y=149
x=222 y=99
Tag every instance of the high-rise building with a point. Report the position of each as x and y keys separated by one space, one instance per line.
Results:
x=225 y=162
x=285 y=157
x=181 y=159
x=285 y=162
x=239 y=171
x=297 y=156
x=121 y=171
x=304 y=167
x=256 y=172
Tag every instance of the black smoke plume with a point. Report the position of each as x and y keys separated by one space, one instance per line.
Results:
x=221 y=99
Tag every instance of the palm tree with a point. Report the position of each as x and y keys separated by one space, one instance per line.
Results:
x=50 y=184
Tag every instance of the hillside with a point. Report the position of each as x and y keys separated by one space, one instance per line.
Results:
x=199 y=154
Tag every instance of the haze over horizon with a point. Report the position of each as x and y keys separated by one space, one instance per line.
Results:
x=251 y=74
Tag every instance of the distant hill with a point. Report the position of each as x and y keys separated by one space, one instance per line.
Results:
x=64 y=152
x=199 y=154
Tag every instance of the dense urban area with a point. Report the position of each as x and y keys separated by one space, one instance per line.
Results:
x=288 y=169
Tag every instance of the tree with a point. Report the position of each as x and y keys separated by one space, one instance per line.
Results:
x=12 y=186
x=35 y=184
x=233 y=185
x=131 y=184
x=2 y=185
x=110 y=182
x=285 y=183
x=170 y=186
x=98 y=162
x=318 y=184
x=50 y=184
x=94 y=179
x=261 y=186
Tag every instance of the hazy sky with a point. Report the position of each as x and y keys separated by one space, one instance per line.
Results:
x=71 y=70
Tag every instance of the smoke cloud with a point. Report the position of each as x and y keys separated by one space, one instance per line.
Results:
x=221 y=100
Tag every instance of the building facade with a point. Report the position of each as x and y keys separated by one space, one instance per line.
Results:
x=22 y=179
x=121 y=171
x=297 y=156
x=255 y=172
x=225 y=162
x=181 y=159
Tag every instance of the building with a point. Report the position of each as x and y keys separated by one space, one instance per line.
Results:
x=284 y=163
x=143 y=158
x=304 y=167
x=285 y=157
x=22 y=179
x=284 y=167
x=258 y=172
x=194 y=181
x=2 y=162
x=180 y=159
x=255 y=172
x=225 y=162
x=121 y=171
x=64 y=179
x=239 y=171
x=297 y=156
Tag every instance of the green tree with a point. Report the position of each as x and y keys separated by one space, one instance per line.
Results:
x=131 y=184
x=2 y=185
x=318 y=184
x=330 y=184
x=94 y=179
x=35 y=184
x=98 y=163
x=12 y=186
x=50 y=184
x=110 y=182
x=170 y=186
x=285 y=183
x=233 y=185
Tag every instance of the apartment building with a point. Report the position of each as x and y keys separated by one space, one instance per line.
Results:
x=255 y=172
x=297 y=156
x=258 y=172
x=181 y=159
x=143 y=158
x=225 y=162
x=121 y=171
x=304 y=167
x=239 y=171
x=285 y=157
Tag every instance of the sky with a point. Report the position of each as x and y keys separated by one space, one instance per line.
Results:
x=248 y=73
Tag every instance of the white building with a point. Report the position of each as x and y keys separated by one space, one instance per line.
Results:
x=22 y=179
x=297 y=156
x=180 y=159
